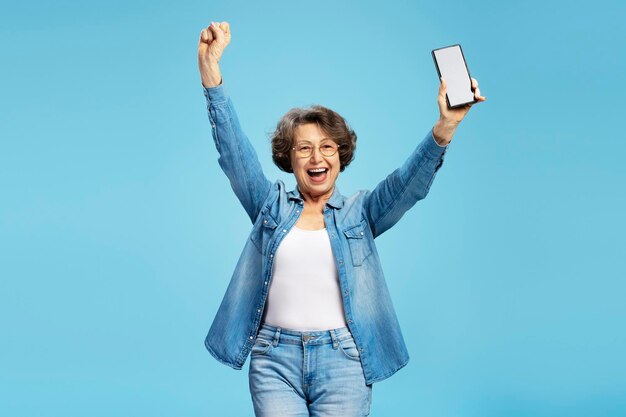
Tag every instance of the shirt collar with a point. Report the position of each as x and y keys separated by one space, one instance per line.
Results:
x=335 y=200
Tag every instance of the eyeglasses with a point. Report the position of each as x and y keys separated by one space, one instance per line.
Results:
x=304 y=150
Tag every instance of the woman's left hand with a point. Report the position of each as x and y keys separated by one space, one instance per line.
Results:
x=449 y=119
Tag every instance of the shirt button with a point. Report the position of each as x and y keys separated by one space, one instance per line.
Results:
x=284 y=230
x=251 y=337
x=350 y=321
x=332 y=235
x=265 y=282
x=361 y=350
x=361 y=233
x=340 y=261
x=346 y=292
x=258 y=310
x=298 y=211
x=271 y=255
x=265 y=221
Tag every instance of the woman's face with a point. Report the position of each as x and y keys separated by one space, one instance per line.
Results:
x=315 y=174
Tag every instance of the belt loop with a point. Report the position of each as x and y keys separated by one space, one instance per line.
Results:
x=276 y=337
x=333 y=336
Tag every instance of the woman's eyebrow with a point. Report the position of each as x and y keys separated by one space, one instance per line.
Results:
x=310 y=141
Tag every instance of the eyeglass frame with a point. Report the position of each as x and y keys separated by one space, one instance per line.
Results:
x=319 y=148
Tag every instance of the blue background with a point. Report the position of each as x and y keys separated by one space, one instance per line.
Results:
x=119 y=233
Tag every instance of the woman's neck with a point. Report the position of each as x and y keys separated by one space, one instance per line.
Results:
x=317 y=202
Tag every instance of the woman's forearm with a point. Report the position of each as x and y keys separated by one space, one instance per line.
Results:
x=211 y=75
x=443 y=131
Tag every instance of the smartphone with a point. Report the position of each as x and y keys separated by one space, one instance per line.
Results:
x=451 y=65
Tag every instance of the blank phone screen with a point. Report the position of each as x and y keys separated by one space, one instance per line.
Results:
x=452 y=67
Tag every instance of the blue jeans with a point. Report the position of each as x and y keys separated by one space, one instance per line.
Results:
x=307 y=374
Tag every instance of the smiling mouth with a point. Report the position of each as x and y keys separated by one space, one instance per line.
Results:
x=317 y=172
x=317 y=175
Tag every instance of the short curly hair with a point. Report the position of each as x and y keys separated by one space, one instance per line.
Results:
x=329 y=121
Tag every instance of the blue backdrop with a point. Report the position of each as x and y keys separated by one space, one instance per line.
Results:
x=119 y=233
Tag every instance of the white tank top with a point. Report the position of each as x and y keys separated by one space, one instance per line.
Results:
x=304 y=293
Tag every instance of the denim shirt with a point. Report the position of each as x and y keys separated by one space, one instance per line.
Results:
x=352 y=224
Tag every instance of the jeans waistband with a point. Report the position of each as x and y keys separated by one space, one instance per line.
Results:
x=276 y=335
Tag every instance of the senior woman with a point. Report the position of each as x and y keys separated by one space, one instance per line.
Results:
x=308 y=299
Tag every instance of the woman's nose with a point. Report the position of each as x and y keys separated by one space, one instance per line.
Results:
x=316 y=154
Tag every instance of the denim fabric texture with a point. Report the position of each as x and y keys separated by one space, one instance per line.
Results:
x=352 y=224
x=307 y=374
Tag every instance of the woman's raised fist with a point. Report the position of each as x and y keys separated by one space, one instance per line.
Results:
x=213 y=40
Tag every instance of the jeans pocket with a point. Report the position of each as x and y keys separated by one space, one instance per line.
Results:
x=260 y=347
x=349 y=349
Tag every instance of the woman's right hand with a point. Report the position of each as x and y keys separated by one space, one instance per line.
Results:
x=213 y=40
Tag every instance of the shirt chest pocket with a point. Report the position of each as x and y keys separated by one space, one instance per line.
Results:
x=359 y=242
x=263 y=231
